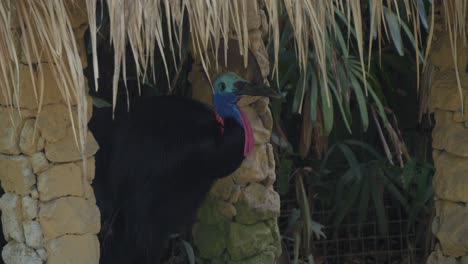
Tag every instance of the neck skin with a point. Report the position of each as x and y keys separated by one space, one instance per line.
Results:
x=225 y=106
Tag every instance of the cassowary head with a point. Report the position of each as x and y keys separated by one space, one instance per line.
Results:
x=228 y=89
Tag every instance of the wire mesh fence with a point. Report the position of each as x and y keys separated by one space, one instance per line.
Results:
x=359 y=243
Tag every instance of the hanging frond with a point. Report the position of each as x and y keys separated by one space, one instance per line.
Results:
x=43 y=31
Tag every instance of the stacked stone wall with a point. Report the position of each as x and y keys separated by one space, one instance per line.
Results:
x=49 y=213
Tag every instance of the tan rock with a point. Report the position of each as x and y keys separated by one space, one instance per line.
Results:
x=39 y=162
x=66 y=150
x=34 y=194
x=452 y=138
x=16 y=174
x=33 y=234
x=9 y=131
x=29 y=138
x=77 y=12
x=441 y=54
x=437 y=257
x=262 y=106
x=19 y=253
x=90 y=168
x=68 y=215
x=73 y=249
x=257 y=203
x=42 y=254
x=451 y=228
x=464 y=260
x=444 y=92
x=450 y=181
x=237 y=192
x=53 y=122
x=30 y=208
x=271 y=174
x=223 y=188
x=255 y=167
x=27 y=97
x=60 y=180
x=89 y=193
x=10 y=204
x=458 y=116
x=227 y=209
x=261 y=134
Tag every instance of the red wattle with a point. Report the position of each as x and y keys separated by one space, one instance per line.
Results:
x=248 y=134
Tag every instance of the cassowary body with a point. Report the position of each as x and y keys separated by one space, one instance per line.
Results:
x=157 y=163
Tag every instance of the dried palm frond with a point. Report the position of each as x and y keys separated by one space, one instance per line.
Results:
x=46 y=33
x=42 y=32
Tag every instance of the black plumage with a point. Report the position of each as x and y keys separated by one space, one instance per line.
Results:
x=153 y=170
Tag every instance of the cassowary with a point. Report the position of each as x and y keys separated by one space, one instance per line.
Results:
x=157 y=162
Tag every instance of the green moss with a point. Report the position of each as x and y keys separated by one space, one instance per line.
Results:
x=245 y=241
x=210 y=240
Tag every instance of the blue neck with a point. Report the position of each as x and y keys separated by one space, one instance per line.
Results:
x=225 y=106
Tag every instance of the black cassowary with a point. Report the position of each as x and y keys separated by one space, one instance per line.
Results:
x=157 y=162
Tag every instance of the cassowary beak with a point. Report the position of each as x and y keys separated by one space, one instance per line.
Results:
x=247 y=88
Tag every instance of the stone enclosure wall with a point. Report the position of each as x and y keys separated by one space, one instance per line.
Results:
x=49 y=212
x=450 y=143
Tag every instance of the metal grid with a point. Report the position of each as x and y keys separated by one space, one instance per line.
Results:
x=360 y=244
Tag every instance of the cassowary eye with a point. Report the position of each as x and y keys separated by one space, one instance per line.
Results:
x=222 y=87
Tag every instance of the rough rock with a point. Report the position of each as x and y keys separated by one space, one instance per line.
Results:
x=19 y=253
x=34 y=194
x=464 y=260
x=26 y=92
x=261 y=133
x=76 y=249
x=275 y=232
x=66 y=150
x=39 y=162
x=264 y=257
x=30 y=141
x=452 y=138
x=451 y=228
x=10 y=131
x=210 y=240
x=16 y=174
x=223 y=188
x=10 y=204
x=89 y=193
x=42 y=253
x=271 y=174
x=444 y=92
x=77 y=12
x=441 y=54
x=450 y=182
x=257 y=203
x=255 y=167
x=245 y=241
x=53 y=122
x=60 y=180
x=210 y=212
x=235 y=195
x=437 y=257
x=90 y=168
x=30 y=208
x=33 y=234
x=458 y=116
x=68 y=215
x=227 y=209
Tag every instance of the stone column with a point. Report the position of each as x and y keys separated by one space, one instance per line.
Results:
x=450 y=143
x=49 y=213
x=238 y=221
